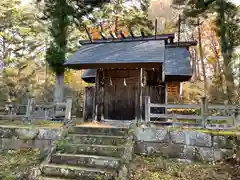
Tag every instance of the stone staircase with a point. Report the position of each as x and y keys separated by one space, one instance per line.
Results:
x=90 y=153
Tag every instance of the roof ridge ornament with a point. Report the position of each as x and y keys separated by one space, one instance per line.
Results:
x=129 y=39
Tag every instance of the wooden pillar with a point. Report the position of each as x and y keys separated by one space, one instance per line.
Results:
x=139 y=100
x=99 y=96
x=141 y=95
x=163 y=73
x=136 y=103
x=103 y=95
x=84 y=106
x=166 y=96
x=95 y=101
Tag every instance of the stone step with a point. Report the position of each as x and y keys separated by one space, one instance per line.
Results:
x=97 y=139
x=86 y=160
x=77 y=173
x=93 y=149
x=114 y=131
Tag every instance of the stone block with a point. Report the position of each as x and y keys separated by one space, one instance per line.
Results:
x=111 y=131
x=188 y=152
x=220 y=154
x=7 y=132
x=16 y=143
x=49 y=133
x=42 y=143
x=70 y=172
x=123 y=173
x=86 y=160
x=20 y=143
x=171 y=150
x=151 y=134
x=222 y=142
x=207 y=154
x=92 y=149
x=195 y=138
x=198 y=153
x=26 y=133
x=99 y=140
x=165 y=149
x=177 y=136
x=128 y=152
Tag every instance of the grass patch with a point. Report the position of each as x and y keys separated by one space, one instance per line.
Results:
x=158 y=168
x=16 y=164
x=38 y=123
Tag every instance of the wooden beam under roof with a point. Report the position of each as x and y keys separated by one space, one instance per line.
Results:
x=186 y=44
x=95 y=2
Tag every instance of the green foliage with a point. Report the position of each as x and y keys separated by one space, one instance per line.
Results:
x=119 y=17
x=16 y=164
x=62 y=16
x=64 y=144
x=57 y=12
x=20 y=30
x=55 y=56
x=21 y=50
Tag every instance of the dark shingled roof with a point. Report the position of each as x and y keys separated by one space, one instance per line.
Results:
x=120 y=52
x=148 y=51
x=177 y=63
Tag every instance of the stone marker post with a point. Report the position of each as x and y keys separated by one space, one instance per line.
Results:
x=147 y=109
x=29 y=108
x=68 y=110
x=204 y=111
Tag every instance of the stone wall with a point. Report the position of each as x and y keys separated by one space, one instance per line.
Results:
x=27 y=137
x=184 y=144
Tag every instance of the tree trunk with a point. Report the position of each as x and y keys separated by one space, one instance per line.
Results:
x=201 y=58
x=195 y=67
x=59 y=88
x=228 y=77
x=226 y=53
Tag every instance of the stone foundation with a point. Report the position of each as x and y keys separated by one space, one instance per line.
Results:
x=27 y=137
x=173 y=143
x=184 y=144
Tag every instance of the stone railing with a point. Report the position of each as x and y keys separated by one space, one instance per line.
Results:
x=32 y=111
